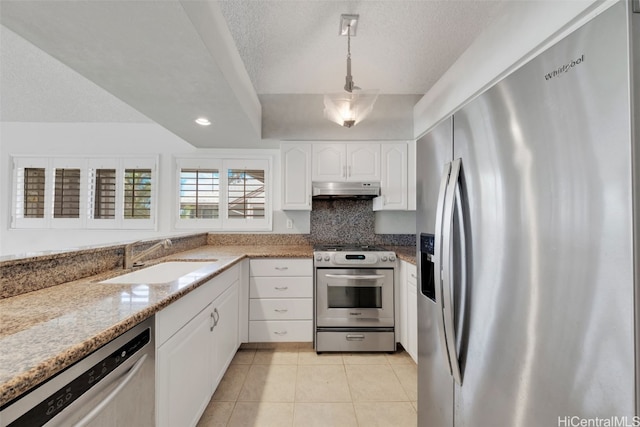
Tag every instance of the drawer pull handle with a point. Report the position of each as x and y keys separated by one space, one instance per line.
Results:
x=352 y=337
x=280 y=333
x=282 y=268
x=280 y=310
x=281 y=288
x=414 y=276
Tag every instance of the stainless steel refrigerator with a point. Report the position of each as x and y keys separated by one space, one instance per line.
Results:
x=526 y=254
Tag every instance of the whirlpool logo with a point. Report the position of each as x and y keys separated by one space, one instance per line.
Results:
x=564 y=68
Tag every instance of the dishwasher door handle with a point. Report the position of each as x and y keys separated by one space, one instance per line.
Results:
x=123 y=383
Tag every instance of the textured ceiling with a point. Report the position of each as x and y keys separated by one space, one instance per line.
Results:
x=171 y=60
x=401 y=47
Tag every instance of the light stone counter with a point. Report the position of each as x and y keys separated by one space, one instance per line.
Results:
x=45 y=331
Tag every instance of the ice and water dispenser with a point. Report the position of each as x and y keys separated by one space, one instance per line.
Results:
x=427 y=286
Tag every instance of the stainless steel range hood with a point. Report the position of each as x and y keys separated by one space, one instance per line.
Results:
x=345 y=190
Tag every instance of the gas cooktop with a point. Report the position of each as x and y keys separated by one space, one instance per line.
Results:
x=348 y=248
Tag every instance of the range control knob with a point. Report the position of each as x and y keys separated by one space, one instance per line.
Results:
x=383 y=257
x=392 y=257
x=319 y=257
x=327 y=257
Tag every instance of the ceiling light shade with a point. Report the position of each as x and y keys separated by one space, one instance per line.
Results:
x=349 y=108
x=354 y=104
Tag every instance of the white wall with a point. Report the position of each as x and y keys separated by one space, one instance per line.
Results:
x=524 y=30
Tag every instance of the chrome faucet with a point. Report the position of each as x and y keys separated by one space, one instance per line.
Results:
x=131 y=260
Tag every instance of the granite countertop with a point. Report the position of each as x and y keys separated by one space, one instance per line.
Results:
x=45 y=331
x=404 y=253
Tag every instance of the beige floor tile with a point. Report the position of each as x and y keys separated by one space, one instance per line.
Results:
x=279 y=345
x=244 y=357
x=269 y=383
x=400 y=358
x=386 y=414
x=313 y=358
x=365 y=359
x=231 y=383
x=322 y=383
x=261 y=414
x=276 y=357
x=408 y=377
x=324 y=415
x=374 y=383
x=248 y=346
x=217 y=414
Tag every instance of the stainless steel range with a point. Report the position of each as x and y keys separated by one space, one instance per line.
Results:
x=354 y=298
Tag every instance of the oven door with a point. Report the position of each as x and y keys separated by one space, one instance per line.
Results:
x=354 y=297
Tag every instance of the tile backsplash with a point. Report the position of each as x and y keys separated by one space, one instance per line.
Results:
x=343 y=221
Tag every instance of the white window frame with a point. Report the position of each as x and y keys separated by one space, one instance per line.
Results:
x=104 y=223
x=17 y=212
x=67 y=163
x=204 y=164
x=141 y=163
x=223 y=163
x=85 y=164
x=242 y=224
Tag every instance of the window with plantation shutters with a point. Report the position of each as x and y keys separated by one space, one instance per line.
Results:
x=33 y=188
x=84 y=192
x=246 y=197
x=66 y=193
x=137 y=193
x=199 y=193
x=228 y=194
x=103 y=193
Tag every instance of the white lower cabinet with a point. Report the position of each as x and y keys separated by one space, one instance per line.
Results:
x=409 y=308
x=280 y=300
x=225 y=332
x=185 y=372
x=196 y=338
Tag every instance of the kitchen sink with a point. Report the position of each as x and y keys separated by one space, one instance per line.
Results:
x=164 y=272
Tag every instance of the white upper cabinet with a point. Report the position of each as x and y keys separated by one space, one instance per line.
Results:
x=346 y=162
x=296 y=175
x=411 y=173
x=393 y=185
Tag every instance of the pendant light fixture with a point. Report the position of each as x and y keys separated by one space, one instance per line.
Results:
x=354 y=104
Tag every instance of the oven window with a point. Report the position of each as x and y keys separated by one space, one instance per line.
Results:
x=355 y=296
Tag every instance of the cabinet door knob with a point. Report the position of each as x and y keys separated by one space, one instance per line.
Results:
x=280 y=310
x=281 y=288
x=280 y=332
x=282 y=268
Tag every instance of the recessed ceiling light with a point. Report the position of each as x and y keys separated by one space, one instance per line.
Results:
x=203 y=121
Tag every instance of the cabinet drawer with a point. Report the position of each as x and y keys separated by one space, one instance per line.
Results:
x=281 y=287
x=281 y=309
x=281 y=267
x=280 y=330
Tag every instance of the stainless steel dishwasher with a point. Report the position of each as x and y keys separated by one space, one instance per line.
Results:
x=113 y=386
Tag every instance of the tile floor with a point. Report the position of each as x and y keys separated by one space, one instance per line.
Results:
x=288 y=384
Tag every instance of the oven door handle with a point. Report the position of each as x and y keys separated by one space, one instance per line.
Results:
x=355 y=277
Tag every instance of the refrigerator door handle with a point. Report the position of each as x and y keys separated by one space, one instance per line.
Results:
x=453 y=201
x=437 y=262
